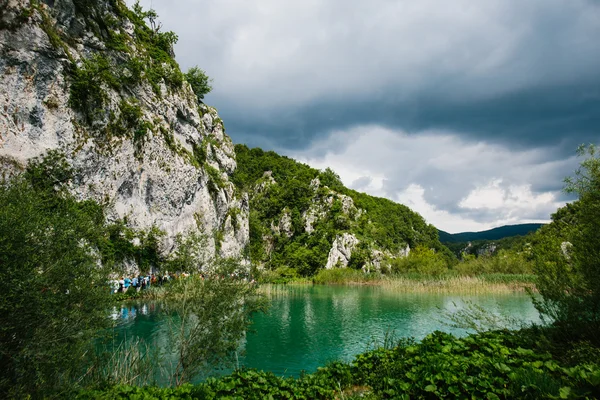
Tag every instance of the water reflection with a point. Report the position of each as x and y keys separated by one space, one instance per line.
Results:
x=307 y=326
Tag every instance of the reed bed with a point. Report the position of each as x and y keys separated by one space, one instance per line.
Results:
x=458 y=284
x=415 y=283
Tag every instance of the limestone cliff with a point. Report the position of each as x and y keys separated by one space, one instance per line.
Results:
x=98 y=82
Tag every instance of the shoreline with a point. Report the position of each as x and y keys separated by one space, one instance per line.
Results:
x=410 y=283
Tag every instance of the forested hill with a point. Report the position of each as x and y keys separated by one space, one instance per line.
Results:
x=491 y=234
x=307 y=219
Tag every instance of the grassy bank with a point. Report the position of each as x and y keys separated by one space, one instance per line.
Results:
x=527 y=364
x=414 y=282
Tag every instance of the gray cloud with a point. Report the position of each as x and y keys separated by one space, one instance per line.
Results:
x=492 y=89
x=566 y=116
x=454 y=182
x=361 y=183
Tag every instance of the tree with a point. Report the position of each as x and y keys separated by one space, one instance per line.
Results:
x=54 y=291
x=331 y=179
x=199 y=81
x=208 y=316
x=567 y=255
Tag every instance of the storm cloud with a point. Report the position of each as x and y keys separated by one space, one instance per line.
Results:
x=469 y=112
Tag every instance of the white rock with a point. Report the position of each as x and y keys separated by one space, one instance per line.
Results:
x=285 y=224
x=341 y=250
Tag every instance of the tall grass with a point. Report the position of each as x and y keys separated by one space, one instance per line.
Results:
x=456 y=284
x=416 y=282
x=131 y=362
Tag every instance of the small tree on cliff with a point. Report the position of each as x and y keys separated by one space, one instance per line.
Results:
x=200 y=82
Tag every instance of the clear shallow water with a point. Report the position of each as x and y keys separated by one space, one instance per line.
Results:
x=307 y=326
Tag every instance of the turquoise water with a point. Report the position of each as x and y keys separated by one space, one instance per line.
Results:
x=307 y=326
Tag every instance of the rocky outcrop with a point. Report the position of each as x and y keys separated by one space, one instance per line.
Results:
x=146 y=149
x=284 y=227
x=405 y=252
x=341 y=250
x=285 y=224
x=266 y=181
x=323 y=202
x=487 y=250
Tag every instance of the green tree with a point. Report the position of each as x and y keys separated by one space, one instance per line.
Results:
x=421 y=260
x=567 y=255
x=54 y=291
x=208 y=316
x=331 y=179
x=199 y=81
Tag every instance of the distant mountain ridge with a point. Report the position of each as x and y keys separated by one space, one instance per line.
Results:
x=491 y=234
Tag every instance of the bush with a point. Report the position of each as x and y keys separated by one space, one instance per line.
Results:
x=568 y=256
x=208 y=316
x=502 y=262
x=421 y=260
x=54 y=293
x=340 y=276
x=199 y=82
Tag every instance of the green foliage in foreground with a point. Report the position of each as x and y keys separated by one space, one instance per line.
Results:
x=492 y=365
x=567 y=256
x=54 y=297
x=55 y=257
x=209 y=317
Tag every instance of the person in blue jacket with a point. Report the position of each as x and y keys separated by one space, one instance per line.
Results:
x=126 y=284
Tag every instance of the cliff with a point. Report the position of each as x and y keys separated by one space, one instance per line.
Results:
x=92 y=80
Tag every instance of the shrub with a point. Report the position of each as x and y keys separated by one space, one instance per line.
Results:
x=54 y=293
x=199 y=82
x=420 y=260
x=567 y=256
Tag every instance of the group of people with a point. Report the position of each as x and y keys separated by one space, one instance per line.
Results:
x=139 y=282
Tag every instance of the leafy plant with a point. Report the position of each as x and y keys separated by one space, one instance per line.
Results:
x=54 y=291
x=567 y=256
x=199 y=81
x=88 y=94
x=208 y=317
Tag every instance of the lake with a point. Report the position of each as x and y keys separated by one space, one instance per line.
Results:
x=309 y=325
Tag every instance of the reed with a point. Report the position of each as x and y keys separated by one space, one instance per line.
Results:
x=459 y=284
x=130 y=362
x=418 y=283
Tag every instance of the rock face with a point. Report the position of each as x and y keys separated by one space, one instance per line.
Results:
x=139 y=141
x=341 y=251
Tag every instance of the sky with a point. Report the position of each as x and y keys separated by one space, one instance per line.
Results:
x=469 y=112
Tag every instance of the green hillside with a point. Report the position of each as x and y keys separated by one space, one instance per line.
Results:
x=297 y=212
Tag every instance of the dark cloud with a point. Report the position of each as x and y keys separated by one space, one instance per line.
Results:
x=549 y=116
x=418 y=100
